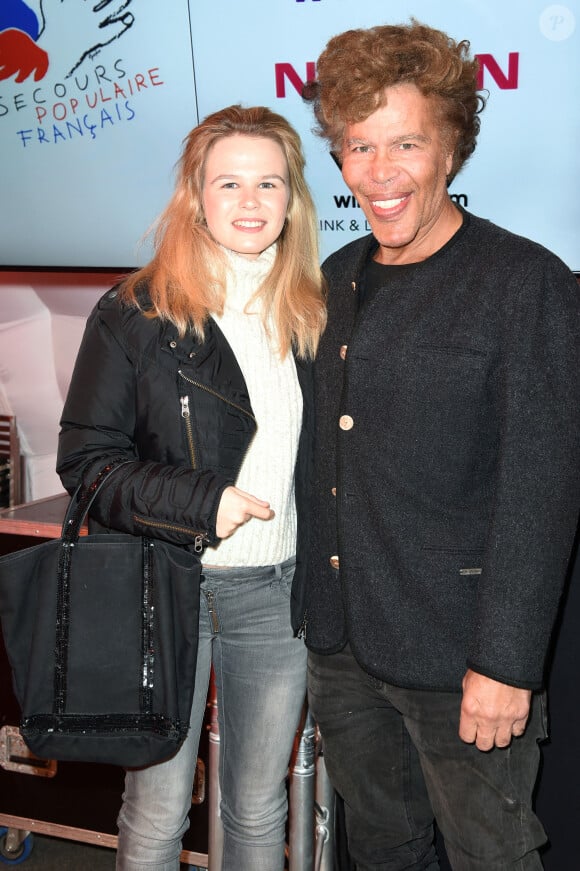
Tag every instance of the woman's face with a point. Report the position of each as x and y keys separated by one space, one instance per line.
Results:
x=245 y=194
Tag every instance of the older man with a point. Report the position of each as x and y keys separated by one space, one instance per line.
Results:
x=446 y=490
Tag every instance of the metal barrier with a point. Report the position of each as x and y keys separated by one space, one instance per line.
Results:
x=301 y=800
x=325 y=816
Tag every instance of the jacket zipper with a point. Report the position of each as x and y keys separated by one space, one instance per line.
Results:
x=302 y=630
x=185 y=413
x=200 y=537
x=216 y=394
x=212 y=612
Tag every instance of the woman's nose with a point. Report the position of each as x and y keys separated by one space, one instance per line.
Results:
x=249 y=199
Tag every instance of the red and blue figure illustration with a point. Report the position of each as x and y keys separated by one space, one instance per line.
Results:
x=56 y=33
x=19 y=53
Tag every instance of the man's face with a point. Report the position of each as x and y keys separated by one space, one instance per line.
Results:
x=396 y=163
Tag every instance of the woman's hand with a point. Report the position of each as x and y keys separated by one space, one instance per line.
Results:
x=236 y=508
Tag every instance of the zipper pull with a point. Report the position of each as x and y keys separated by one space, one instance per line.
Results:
x=198 y=543
x=212 y=611
x=184 y=406
x=302 y=630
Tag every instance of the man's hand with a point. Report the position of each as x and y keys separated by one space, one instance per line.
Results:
x=236 y=508
x=492 y=712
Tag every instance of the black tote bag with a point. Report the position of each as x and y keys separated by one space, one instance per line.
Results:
x=101 y=635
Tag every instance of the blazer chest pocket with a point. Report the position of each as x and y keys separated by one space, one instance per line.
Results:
x=441 y=395
x=450 y=371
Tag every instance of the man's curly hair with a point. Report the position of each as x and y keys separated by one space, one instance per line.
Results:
x=356 y=66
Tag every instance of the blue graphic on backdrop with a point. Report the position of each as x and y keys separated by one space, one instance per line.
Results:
x=15 y=14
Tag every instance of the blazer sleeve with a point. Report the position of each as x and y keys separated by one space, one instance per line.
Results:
x=142 y=496
x=537 y=480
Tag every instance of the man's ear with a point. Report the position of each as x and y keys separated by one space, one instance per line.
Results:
x=449 y=161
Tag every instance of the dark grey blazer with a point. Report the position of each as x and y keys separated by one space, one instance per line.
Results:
x=449 y=429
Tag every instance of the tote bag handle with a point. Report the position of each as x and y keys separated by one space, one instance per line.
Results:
x=81 y=501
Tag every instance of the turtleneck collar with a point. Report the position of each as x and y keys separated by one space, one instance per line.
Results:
x=257 y=266
x=245 y=275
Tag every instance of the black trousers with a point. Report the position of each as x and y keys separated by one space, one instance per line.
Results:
x=395 y=757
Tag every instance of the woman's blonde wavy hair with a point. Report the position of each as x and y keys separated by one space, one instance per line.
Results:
x=186 y=278
x=357 y=66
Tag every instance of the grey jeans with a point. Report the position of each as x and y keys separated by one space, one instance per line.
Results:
x=396 y=758
x=260 y=673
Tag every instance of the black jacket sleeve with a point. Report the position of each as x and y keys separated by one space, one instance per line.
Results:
x=99 y=424
x=537 y=482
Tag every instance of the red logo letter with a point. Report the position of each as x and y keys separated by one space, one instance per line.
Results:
x=287 y=70
x=487 y=61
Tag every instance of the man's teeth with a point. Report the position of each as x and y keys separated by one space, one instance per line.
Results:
x=388 y=204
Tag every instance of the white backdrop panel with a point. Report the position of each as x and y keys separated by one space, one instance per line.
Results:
x=81 y=181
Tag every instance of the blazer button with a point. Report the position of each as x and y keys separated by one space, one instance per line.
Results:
x=346 y=422
x=334 y=562
x=343 y=352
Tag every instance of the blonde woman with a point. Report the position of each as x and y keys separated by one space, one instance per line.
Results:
x=197 y=369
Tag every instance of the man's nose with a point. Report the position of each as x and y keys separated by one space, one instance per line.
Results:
x=383 y=168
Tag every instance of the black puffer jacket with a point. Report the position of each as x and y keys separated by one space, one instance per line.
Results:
x=179 y=410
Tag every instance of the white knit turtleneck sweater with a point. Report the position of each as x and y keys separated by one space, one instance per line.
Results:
x=268 y=467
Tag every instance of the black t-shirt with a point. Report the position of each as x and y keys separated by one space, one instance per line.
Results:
x=377 y=276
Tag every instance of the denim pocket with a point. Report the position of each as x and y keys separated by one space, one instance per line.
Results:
x=282 y=583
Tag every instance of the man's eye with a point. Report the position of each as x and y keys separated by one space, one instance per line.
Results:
x=407 y=146
x=361 y=149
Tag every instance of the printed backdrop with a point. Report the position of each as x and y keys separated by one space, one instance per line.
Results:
x=96 y=98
